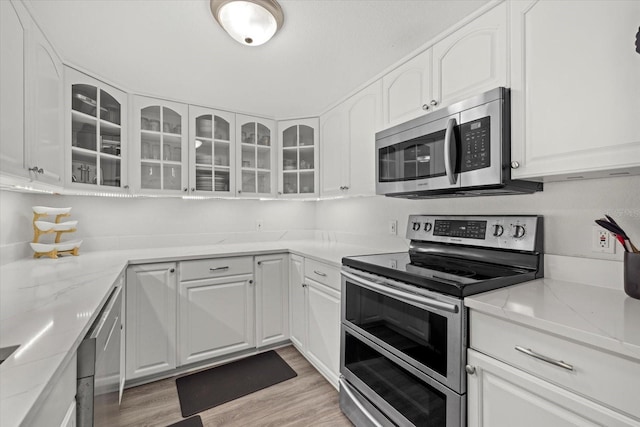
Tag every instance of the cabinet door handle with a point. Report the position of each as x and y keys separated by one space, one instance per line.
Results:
x=544 y=358
x=304 y=285
x=320 y=273
x=185 y=189
x=251 y=282
x=470 y=369
x=515 y=164
x=172 y=270
x=425 y=107
x=193 y=189
x=434 y=102
x=226 y=267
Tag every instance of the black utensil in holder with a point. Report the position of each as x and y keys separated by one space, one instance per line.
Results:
x=632 y=274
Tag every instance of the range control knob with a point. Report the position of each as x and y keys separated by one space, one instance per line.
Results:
x=498 y=230
x=428 y=226
x=519 y=231
x=416 y=226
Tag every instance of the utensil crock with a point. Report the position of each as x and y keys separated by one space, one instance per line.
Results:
x=632 y=274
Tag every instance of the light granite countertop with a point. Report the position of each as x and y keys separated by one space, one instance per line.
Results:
x=47 y=306
x=604 y=318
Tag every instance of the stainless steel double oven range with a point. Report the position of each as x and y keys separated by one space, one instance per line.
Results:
x=404 y=324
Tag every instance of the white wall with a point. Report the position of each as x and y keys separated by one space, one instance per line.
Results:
x=115 y=223
x=569 y=209
x=15 y=225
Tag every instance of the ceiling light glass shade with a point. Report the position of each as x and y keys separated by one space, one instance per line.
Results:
x=250 y=22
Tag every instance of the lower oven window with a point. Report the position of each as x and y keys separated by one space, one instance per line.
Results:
x=415 y=400
x=416 y=332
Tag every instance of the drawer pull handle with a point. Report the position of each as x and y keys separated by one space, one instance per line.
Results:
x=539 y=356
x=320 y=273
x=226 y=267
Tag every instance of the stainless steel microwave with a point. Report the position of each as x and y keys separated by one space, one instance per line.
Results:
x=460 y=150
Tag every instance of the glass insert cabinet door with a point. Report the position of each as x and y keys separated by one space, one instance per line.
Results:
x=98 y=132
x=211 y=151
x=256 y=156
x=299 y=157
x=162 y=148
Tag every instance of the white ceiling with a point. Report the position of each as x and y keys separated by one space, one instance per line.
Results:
x=175 y=49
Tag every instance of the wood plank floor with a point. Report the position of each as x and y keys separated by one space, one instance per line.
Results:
x=306 y=400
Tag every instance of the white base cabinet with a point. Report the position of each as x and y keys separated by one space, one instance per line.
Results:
x=151 y=319
x=323 y=326
x=575 y=89
x=499 y=395
x=315 y=314
x=216 y=308
x=297 y=303
x=272 y=299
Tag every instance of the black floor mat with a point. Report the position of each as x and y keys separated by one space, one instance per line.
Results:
x=206 y=389
x=189 y=422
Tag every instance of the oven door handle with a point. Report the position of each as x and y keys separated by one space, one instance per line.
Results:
x=394 y=293
x=347 y=389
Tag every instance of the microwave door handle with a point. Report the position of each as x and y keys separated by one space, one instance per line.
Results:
x=449 y=165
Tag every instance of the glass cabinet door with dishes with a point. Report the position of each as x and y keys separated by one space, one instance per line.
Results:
x=211 y=152
x=298 y=157
x=96 y=127
x=161 y=148
x=256 y=156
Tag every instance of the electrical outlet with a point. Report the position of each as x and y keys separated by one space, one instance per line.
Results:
x=393 y=227
x=259 y=224
x=602 y=241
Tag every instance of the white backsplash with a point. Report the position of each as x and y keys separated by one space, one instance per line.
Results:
x=569 y=209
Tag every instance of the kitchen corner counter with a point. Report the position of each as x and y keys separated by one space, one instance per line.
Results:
x=47 y=307
x=601 y=317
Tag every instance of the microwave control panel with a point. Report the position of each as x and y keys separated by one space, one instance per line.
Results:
x=491 y=231
x=475 y=144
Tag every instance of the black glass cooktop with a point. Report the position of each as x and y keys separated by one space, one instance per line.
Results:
x=448 y=275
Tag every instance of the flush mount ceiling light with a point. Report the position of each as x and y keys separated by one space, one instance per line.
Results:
x=250 y=22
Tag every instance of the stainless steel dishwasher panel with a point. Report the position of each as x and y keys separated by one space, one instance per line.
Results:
x=99 y=367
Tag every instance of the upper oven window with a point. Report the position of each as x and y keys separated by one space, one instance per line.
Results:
x=419 y=334
x=419 y=158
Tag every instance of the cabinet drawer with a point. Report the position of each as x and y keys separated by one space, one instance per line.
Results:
x=215 y=267
x=596 y=374
x=322 y=273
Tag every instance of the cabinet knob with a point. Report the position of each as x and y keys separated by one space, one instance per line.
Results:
x=259 y=262
x=425 y=107
x=346 y=187
x=279 y=193
x=515 y=164
x=251 y=282
x=185 y=189
x=126 y=187
x=239 y=191
x=304 y=285
x=172 y=270
x=36 y=169
x=434 y=102
x=470 y=369
x=193 y=189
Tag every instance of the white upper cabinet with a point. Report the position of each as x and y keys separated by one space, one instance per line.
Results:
x=160 y=147
x=348 y=143
x=469 y=61
x=298 y=158
x=96 y=133
x=256 y=153
x=13 y=33
x=473 y=59
x=211 y=151
x=407 y=91
x=31 y=105
x=575 y=79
